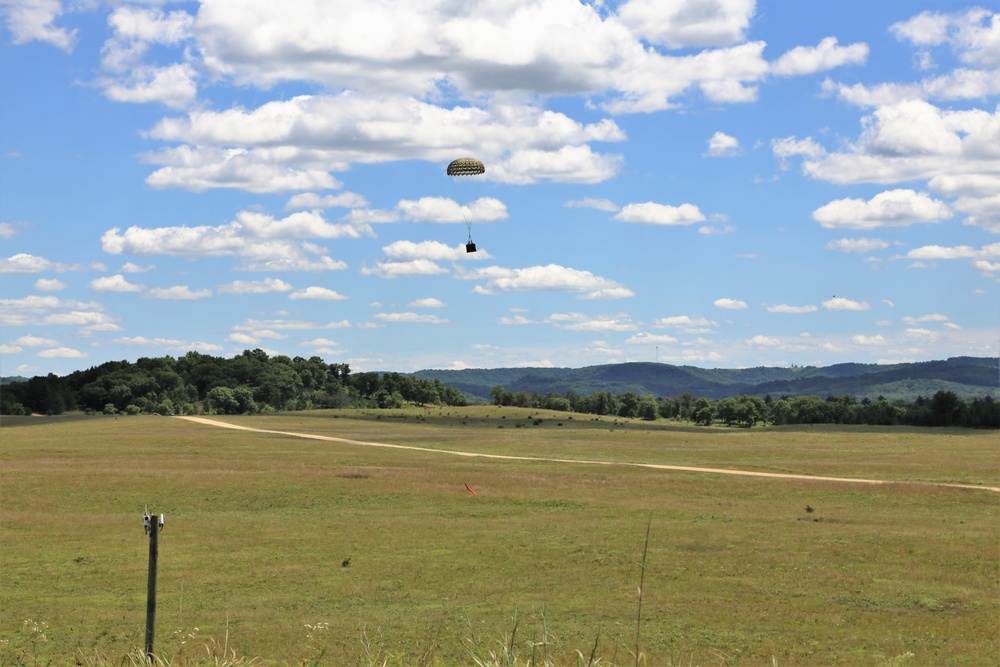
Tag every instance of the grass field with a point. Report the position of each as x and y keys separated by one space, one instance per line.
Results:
x=258 y=527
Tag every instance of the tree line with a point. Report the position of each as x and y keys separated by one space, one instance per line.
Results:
x=944 y=408
x=198 y=383
x=254 y=382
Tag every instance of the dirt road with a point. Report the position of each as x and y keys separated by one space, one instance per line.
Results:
x=655 y=466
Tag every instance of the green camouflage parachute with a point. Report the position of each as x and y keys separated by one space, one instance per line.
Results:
x=466 y=166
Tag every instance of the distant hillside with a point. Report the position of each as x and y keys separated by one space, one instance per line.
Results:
x=968 y=377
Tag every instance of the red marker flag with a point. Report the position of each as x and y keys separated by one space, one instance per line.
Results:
x=470 y=489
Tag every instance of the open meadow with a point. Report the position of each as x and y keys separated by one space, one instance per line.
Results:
x=300 y=551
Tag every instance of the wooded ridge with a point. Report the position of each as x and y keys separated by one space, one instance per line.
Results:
x=967 y=377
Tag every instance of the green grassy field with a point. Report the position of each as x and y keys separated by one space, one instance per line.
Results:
x=258 y=527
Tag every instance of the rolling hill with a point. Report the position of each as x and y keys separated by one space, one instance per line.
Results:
x=968 y=377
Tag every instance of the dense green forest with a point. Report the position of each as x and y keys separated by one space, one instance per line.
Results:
x=202 y=384
x=944 y=408
x=254 y=382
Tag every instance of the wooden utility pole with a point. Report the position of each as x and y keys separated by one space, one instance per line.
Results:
x=153 y=524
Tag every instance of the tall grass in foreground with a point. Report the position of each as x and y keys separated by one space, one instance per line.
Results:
x=503 y=650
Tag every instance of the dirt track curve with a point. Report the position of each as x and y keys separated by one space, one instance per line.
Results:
x=655 y=466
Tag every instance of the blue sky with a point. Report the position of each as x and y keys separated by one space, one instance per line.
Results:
x=721 y=184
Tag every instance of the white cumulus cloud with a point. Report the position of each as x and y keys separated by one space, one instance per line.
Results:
x=116 y=283
x=262 y=242
x=31 y=20
x=409 y=318
x=62 y=353
x=932 y=252
x=651 y=213
x=445 y=210
x=789 y=147
x=730 y=304
x=49 y=285
x=549 y=277
x=900 y=207
x=428 y=302
x=401 y=269
x=590 y=323
x=24 y=262
x=763 y=341
x=686 y=323
x=860 y=245
x=723 y=145
x=311 y=200
x=264 y=286
x=972 y=33
x=35 y=341
x=785 y=308
x=913 y=140
x=591 y=202
x=828 y=54
x=315 y=292
x=643 y=338
x=840 y=303
x=46 y=310
x=173 y=85
x=688 y=22
x=178 y=293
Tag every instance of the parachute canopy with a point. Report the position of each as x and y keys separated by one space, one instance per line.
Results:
x=466 y=166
